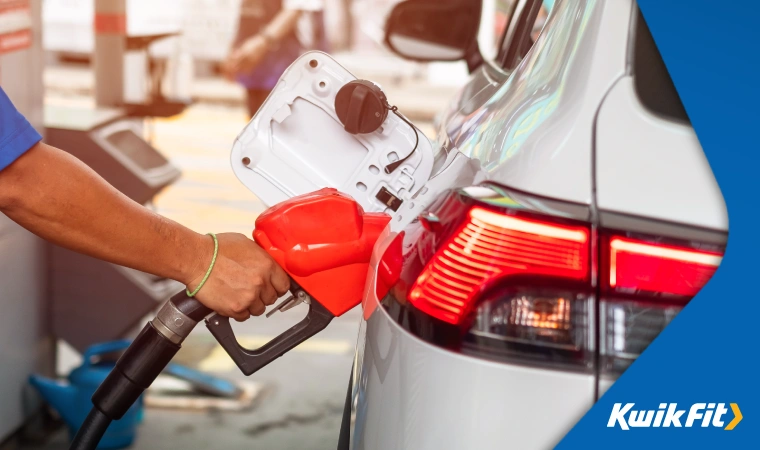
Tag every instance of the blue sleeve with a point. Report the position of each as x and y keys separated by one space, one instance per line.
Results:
x=16 y=134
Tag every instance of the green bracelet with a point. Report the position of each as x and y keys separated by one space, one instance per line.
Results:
x=208 y=272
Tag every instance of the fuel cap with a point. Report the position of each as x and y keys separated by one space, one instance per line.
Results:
x=361 y=106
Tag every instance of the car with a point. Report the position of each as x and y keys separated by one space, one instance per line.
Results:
x=563 y=215
x=588 y=218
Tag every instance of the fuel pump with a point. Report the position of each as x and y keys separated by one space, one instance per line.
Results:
x=323 y=240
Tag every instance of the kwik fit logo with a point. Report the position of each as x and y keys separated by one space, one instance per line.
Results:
x=669 y=415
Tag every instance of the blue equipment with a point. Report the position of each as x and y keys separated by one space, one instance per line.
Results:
x=72 y=399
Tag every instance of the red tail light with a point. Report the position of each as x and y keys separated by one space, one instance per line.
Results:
x=490 y=246
x=637 y=266
x=506 y=276
x=647 y=284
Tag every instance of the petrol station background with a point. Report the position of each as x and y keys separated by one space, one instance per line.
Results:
x=53 y=72
x=66 y=73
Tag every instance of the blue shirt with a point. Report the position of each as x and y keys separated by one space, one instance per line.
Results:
x=16 y=134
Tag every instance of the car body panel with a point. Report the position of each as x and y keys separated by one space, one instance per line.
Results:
x=534 y=134
x=570 y=128
x=532 y=131
x=649 y=166
x=408 y=394
x=427 y=398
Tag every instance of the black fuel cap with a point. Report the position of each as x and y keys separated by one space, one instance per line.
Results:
x=361 y=106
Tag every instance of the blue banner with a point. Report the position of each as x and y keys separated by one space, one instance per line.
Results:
x=704 y=365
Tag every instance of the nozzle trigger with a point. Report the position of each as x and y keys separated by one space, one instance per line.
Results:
x=250 y=361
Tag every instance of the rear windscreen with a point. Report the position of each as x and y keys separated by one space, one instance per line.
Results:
x=654 y=86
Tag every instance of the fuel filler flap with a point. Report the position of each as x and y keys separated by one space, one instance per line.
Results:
x=297 y=144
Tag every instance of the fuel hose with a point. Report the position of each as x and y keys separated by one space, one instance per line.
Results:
x=91 y=431
x=140 y=364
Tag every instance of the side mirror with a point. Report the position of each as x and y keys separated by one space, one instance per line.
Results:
x=435 y=30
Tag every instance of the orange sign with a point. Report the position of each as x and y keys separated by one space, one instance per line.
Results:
x=15 y=25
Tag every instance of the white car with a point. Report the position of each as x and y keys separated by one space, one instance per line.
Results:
x=561 y=219
x=597 y=218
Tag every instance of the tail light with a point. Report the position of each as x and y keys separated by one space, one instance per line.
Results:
x=496 y=274
x=646 y=284
x=498 y=282
x=491 y=246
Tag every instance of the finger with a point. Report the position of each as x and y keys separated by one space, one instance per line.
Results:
x=228 y=70
x=268 y=294
x=230 y=74
x=280 y=280
x=235 y=67
x=257 y=308
x=230 y=63
x=241 y=317
x=243 y=67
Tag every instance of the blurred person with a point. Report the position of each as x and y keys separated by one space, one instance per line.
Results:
x=268 y=41
x=59 y=198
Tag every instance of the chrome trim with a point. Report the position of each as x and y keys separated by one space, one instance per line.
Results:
x=171 y=323
x=503 y=196
x=625 y=222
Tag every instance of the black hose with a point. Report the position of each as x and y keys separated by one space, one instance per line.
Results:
x=91 y=431
x=140 y=364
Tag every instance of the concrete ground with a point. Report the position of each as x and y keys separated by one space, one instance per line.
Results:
x=300 y=406
x=302 y=402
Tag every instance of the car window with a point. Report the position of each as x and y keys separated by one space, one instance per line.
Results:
x=654 y=86
x=527 y=21
x=502 y=17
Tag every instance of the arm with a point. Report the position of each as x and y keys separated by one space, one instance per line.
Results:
x=248 y=54
x=59 y=198
x=283 y=24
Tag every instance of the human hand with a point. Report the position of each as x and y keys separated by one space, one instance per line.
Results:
x=244 y=280
x=246 y=57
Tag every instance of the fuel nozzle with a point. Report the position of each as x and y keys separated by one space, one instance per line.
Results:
x=250 y=361
x=324 y=241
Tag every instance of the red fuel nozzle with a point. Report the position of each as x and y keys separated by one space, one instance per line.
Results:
x=324 y=241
